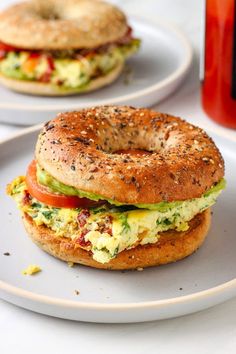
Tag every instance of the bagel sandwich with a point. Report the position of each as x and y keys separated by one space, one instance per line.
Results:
x=57 y=48
x=120 y=188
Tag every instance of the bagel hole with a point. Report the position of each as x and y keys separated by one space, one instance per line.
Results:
x=46 y=11
x=48 y=15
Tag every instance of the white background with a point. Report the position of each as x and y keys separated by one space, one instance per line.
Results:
x=211 y=331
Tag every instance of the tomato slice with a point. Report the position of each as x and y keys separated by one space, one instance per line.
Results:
x=127 y=37
x=44 y=195
x=6 y=47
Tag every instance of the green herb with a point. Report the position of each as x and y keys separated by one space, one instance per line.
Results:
x=125 y=225
x=115 y=251
x=47 y=214
x=36 y=205
x=167 y=222
x=103 y=249
x=18 y=188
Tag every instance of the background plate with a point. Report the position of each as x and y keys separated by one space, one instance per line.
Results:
x=160 y=66
x=204 y=279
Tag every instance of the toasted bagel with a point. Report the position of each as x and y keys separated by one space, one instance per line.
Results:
x=79 y=150
x=171 y=246
x=58 y=24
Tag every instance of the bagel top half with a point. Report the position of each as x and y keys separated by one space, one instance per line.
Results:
x=58 y=24
x=82 y=150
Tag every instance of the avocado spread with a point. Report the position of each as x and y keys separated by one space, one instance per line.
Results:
x=47 y=180
x=109 y=229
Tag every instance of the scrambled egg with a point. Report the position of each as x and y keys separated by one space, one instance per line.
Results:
x=110 y=230
x=31 y=270
x=67 y=72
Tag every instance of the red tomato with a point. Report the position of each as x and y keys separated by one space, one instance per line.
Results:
x=6 y=47
x=44 y=195
x=34 y=55
x=50 y=61
x=127 y=37
x=48 y=73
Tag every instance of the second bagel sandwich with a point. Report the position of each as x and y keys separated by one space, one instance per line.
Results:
x=55 y=47
x=120 y=188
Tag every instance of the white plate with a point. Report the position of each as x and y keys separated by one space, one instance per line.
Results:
x=160 y=66
x=204 y=279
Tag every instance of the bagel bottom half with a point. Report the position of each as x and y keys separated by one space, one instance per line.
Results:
x=48 y=89
x=171 y=247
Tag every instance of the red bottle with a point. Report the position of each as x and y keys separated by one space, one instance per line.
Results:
x=219 y=71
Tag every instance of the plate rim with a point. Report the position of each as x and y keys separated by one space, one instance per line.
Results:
x=194 y=297
x=49 y=300
x=176 y=74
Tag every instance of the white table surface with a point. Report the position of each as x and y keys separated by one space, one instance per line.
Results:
x=210 y=331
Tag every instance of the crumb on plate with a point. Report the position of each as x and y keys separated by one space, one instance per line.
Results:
x=7 y=254
x=139 y=269
x=31 y=270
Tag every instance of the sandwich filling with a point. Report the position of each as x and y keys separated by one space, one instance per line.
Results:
x=71 y=69
x=107 y=229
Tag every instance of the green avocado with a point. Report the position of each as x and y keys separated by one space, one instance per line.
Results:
x=47 y=180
